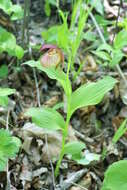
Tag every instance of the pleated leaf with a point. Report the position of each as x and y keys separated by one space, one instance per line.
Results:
x=74 y=147
x=116 y=176
x=52 y=73
x=92 y=93
x=46 y=118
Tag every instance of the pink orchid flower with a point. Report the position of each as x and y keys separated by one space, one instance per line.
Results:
x=53 y=57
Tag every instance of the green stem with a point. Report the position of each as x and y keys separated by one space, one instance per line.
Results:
x=65 y=131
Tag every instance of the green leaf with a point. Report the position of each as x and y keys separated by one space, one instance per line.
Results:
x=5 y=5
x=19 y=52
x=51 y=35
x=120 y=131
x=116 y=176
x=102 y=54
x=9 y=146
x=105 y=47
x=120 y=40
x=8 y=44
x=3 y=71
x=74 y=147
x=47 y=8
x=7 y=41
x=3 y=161
x=3 y=101
x=102 y=21
x=117 y=56
x=98 y=5
x=76 y=7
x=92 y=93
x=6 y=91
x=46 y=118
x=15 y=11
x=87 y=158
x=89 y=36
x=52 y=73
x=53 y=2
x=58 y=106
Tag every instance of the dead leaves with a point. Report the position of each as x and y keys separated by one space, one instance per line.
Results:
x=49 y=144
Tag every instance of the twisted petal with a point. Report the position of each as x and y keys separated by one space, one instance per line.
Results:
x=48 y=46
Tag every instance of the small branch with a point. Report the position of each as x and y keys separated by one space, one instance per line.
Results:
x=52 y=169
x=37 y=88
x=25 y=21
x=117 y=21
x=71 y=180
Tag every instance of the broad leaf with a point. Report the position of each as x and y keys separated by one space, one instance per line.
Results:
x=52 y=73
x=102 y=21
x=116 y=176
x=46 y=118
x=6 y=91
x=105 y=47
x=3 y=71
x=19 y=52
x=9 y=146
x=3 y=101
x=15 y=11
x=92 y=93
x=102 y=54
x=8 y=44
x=120 y=40
x=98 y=5
x=51 y=35
x=117 y=55
x=74 y=147
x=87 y=158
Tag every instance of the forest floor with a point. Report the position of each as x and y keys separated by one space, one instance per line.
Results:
x=32 y=169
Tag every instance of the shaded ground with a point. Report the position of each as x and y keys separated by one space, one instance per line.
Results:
x=93 y=125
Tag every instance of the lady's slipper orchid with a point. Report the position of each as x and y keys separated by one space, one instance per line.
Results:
x=53 y=56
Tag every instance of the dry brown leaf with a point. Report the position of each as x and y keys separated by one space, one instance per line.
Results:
x=75 y=188
x=110 y=10
x=52 y=101
x=26 y=172
x=123 y=91
x=86 y=181
x=90 y=64
x=52 y=148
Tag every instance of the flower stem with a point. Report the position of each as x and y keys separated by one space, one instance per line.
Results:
x=65 y=131
x=65 y=134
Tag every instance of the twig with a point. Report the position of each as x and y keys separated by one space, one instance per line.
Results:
x=73 y=179
x=25 y=21
x=116 y=25
x=104 y=41
x=37 y=88
x=50 y=161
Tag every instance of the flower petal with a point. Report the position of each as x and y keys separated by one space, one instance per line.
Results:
x=48 y=46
